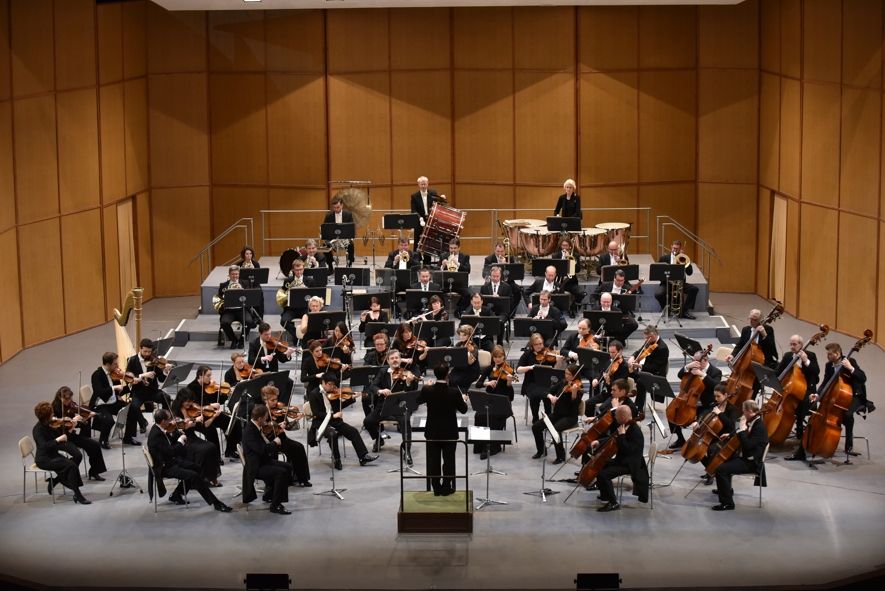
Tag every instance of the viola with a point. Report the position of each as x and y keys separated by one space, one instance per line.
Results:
x=546 y=355
x=175 y=425
x=272 y=428
x=589 y=342
x=327 y=362
x=160 y=363
x=216 y=388
x=247 y=371
x=72 y=409
x=742 y=379
x=683 y=409
x=646 y=351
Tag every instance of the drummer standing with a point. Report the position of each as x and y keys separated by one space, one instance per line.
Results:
x=422 y=202
x=569 y=204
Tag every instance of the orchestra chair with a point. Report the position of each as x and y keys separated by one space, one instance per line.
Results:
x=153 y=481
x=577 y=430
x=758 y=474
x=26 y=447
x=484 y=358
x=865 y=440
x=259 y=491
x=650 y=466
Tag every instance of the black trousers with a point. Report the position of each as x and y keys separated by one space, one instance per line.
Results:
x=67 y=470
x=190 y=478
x=724 y=474
x=104 y=419
x=537 y=395
x=297 y=458
x=605 y=481
x=560 y=425
x=228 y=317
x=848 y=421
x=203 y=455
x=211 y=433
x=93 y=452
x=689 y=292
x=352 y=434
x=374 y=419
x=275 y=475
x=135 y=417
x=441 y=465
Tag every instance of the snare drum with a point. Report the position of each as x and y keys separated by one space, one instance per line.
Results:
x=590 y=241
x=617 y=231
x=538 y=242
x=443 y=224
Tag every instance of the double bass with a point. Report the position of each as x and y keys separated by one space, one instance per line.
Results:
x=683 y=409
x=824 y=428
x=780 y=410
x=740 y=382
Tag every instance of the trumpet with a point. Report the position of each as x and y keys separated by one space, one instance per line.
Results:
x=404 y=256
x=682 y=259
x=311 y=262
x=452 y=264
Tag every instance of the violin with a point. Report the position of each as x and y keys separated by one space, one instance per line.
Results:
x=193 y=410
x=72 y=409
x=546 y=355
x=277 y=345
x=504 y=371
x=272 y=428
x=683 y=409
x=401 y=373
x=281 y=411
x=589 y=342
x=327 y=362
x=175 y=425
x=216 y=388
x=574 y=386
x=160 y=363
x=247 y=372
x=64 y=423
x=645 y=352
x=344 y=393
x=127 y=377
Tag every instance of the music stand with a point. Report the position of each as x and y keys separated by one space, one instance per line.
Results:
x=320 y=322
x=162 y=346
x=177 y=375
x=539 y=266
x=388 y=328
x=665 y=273
x=562 y=301
x=435 y=330
x=401 y=221
x=405 y=278
x=631 y=272
x=332 y=231
x=767 y=377
x=546 y=377
x=318 y=276
x=453 y=356
x=689 y=346
x=594 y=361
x=500 y=305
x=611 y=321
x=362 y=301
x=254 y=277
x=402 y=404
x=558 y=224
x=244 y=299
x=489 y=404
x=524 y=327
x=355 y=275
x=305 y=293
x=484 y=435
x=511 y=272
x=451 y=281
x=626 y=302
x=417 y=300
x=324 y=429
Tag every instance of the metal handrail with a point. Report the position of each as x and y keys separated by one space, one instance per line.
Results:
x=248 y=227
x=707 y=251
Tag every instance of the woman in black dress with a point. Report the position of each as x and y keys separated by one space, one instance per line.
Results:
x=52 y=439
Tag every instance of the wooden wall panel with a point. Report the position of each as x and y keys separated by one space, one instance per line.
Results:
x=41 y=265
x=136 y=135
x=113 y=143
x=791 y=37
x=822 y=40
x=181 y=222
x=728 y=125
x=126 y=246
x=113 y=297
x=7 y=177
x=4 y=50
x=134 y=20
x=239 y=128
x=230 y=204
x=480 y=224
x=110 y=43
x=612 y=197
x=545 y=127
x=407 y=53
x=358 y=40
x=676 y=200
x=791 y=137
x=74 y=44
x=769 y=130
x=359 y=108
x=736 y=272
x=609 y=133
x=295 y=40
x=859 y=177
x=179 y=141
x=236 y=40
x=421 y=121
x=609 y=37
x=33 y=65
x=764 y=207
x=484 y=126
x=667 y=125
x=530 y=198
x=729 y=35
x=880 y=330
x=545 y=39
x=78 y=160
x=856 y=306
x=296 y=129
x=862 y=43
x=36 y=174
x=144 y=252
x=81 y=239
x=281 y=226
x=820 y=143
x=770 y=36
x=482 y=37
x=668 y=36
x=818 y=233
x=11 y=330
x=176 y=40
x=791 y=275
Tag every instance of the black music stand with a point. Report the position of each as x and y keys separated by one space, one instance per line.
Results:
x=402 y=404
x=658 y=389
x=451 y=281
x=253 y=277
x=767 y=377
x=486 y=436
x=319 y=276
x=435 y=330
x=511 y=272
x=388 y=328
x=665 y=273
x=594 y=361
x=500 y=305
x=626 y=302
x=244 y=299
x=321 y=322
x=546 y=377
x=486 y=326
x=539 y=266
x=355 y=275
x=162 y=346
x=611 y=320
x=332 y=231
x=362 y=301
x=419 y=301
x=560 y=300
x=401 y=221
x=454 y=356
x=405 y=278
x=489 y=404
x=558 y=224
x=631 y=272
x=305 y=293
x=524 y=327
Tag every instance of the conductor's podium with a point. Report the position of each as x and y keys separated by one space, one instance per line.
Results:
x=423 y=513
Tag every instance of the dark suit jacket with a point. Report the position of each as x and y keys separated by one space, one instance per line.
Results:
x=257 y=452
x=413 y=262
x=418 y=205
x=605 y=260
x=433 y=286
x=754 y=440
x=554 y=314
x=713 y=377
x=101 y=389
x=858 y=379
x=133 y=365
x=538 y=287
x=255 y=354
x=346 y=217
x=630 y=446
x=483 y=311
x=570 y=208
x=492 y=260
x=811 y=371
x=609 y=285
x=463 y=262
x=165 y=449
x=769 y=348
x=442 y=404
x=666 y=259
x=658 y=361
x=504 y=289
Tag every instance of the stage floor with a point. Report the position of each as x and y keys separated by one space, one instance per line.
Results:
x=814 y=527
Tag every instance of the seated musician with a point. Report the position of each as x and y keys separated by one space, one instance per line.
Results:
x=856 y=378
x=546 y=310
x=406 y=342
x=424 y=284
x=570 y=282
x=314 y=365
x=106 y=396
x=496 y=286
x=395 y=378
x=376 y=356
x=169 y=449
x=547 y=283
x=373 y=314
x=51 y=440
x=535 y=354
x=145 y=387
x=497 y=378
x=763 y=335
x=247 y=259
x=564 y=397
x=711 y=375
x=237 y=371
x=463 y=377
x=402 y=257
x=477 y=308
x=628 y=460
x=295 y=307
x=315 y=304
x=202 y=453
x=569 y=203
x=728 y=415
x=628 y=323
x=338 y=215
x=808 y=365
x=689 y=291
x=601 y=387
x=227 y=316
x=260 y=448
x=612 y=256
x=213 y=401
x=340 y=346
x=63 y=406
x=320 y=405
x=653 y=357
x=313 y=259
x=296 y=455
x=457 y=260
x=266 y=354
x=618 y=285
x=499 y=257
x=583 y=338
x=436 y=313
x=754 y=437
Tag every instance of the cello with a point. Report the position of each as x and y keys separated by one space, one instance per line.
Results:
x=705 y=433
x=824 y=428
x=780 y=410
x=683 y=409
x=742 y=379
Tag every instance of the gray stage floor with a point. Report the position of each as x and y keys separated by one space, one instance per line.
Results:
x=815 y=526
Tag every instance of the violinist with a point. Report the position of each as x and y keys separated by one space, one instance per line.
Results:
x=169 y=450
x=856 y=379
x=443 y=401
x=373 y=314
x=497 y=378
x=63 y=406
x=537 y=353
x=239 y=370
x=564 y=397
x=50 y=441
x=699 y=366
x=106 y=397
x=207 y=394
x=376 y=357
x=321 y=405
x=763 y=335
x=315 y=304
x=402 y=257
x=546 y=310
x=628 y=323
x=600 y=388
x=266 y=353
x=463 y=377
x=583 y=338
x=201 y=453
x=728 y=415
x=313 y=259
x=754 y=437
x=653 y=357
x=628 y=460
x=313 y=366
x=406 y=342
x=389 y=381
x=247 y=259
x=477 y=308
x=340 y=345
x=807 y=362
x=570 y=281
x=145 y=388
x=229 y=315
x=281 y=415
x=260 y=451
x=295 y=306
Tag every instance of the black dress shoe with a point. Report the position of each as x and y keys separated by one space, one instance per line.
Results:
x=437 y=493
x=558 y=460
x=367 y=459
x=707 y=479
x=591 y=487
x=221 y=507
x=409 y=461
x=78 y=498
x=142 y=429
x=96 y=477
x=338 y=465
x=266 y=498
x=131 y=441
x=177 y=500
x=483 y=455
x=280 y=510
x=795 y=458
x=689 y=315
x=539 y=454
x=448 y=491
x=610 y=506
x=306 y=484
x=722 y=507
x=677 y=445
x=105 y=445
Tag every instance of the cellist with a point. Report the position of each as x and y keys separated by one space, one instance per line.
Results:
x=628 y=460
x=728 y=415
x=754 y=437
x=807 y=362
x=699 y=366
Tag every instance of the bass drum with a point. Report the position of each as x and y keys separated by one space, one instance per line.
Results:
x=538 y=242
x=590 y=241
x=286 y=259
x=443 y=224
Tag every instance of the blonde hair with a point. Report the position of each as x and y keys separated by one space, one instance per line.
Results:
x=570 y=183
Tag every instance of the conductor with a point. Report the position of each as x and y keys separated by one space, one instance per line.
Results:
x=442 y=426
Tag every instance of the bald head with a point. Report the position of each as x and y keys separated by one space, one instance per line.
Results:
x=623 y=414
